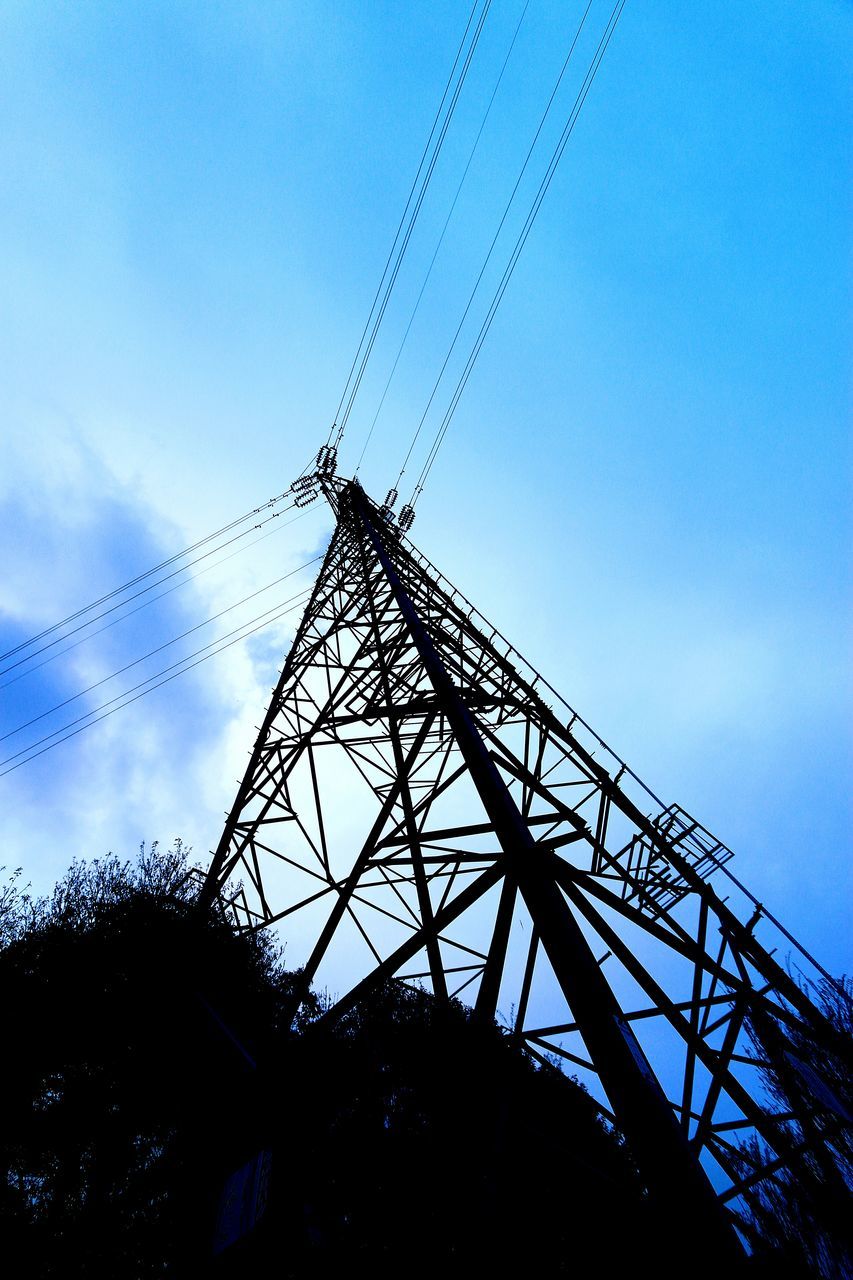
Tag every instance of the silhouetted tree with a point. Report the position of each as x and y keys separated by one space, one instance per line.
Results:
x=157 y=1093
x=130 y=1020
x=801 y=1219
x=412 y=1139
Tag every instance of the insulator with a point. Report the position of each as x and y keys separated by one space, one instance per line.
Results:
x=304 y=499
x=386 y=513
x=406 y=518
x=327 y=460
x=307 y=491
x=390 y=498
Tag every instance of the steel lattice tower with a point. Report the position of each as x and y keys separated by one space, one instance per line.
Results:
x=420 y=804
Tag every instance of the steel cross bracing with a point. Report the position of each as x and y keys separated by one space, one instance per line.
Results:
x=414 y=808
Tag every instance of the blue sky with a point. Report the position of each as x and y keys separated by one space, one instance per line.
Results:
x=646 y=484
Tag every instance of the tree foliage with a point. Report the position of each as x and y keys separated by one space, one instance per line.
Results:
x=116 y=992
x=802 y=1217
x=154 y=1058
x=416 y=1140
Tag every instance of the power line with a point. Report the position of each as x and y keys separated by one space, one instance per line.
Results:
x=166 y=645
x=491 y=248
x=179 y=555
x=402 y=220
x=185 y=665
x=352 y=385
x=150 y=587
x=592 y=71
x=443 y=232
x=193 y=577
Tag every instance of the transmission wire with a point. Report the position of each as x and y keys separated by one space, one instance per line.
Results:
x=159 y=648
x=592 y=71
x=185 y=664
x=487 y=258
x=402 y=220
x=411 y=225
x=115 y=621
x=412 y=221
x=443 y=232
x=72 y=617
x=81 y=626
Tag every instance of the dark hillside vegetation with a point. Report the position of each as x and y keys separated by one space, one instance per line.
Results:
x=162 y=1115
x=117 y=1077
x=806 y=1219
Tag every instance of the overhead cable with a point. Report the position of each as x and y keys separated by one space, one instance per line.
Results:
x=193 y=577
x=143 y=590
x=592 y=70
x=166 y=645
x=185 y=664
x=179 y=555
x=494 y=241
x=443 y=232
x=399 y=246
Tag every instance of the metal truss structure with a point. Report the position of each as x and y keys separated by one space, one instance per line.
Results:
x=419 y=804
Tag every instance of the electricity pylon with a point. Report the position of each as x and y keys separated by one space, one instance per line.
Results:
x=419 y=804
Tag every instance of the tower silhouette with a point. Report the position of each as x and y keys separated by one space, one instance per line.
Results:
x=420 y=804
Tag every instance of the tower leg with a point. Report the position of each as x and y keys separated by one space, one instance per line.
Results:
x=672 y=1173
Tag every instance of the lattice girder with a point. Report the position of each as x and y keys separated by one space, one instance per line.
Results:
x=362 y=831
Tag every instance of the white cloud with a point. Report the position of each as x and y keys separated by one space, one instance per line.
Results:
x=166 y=764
